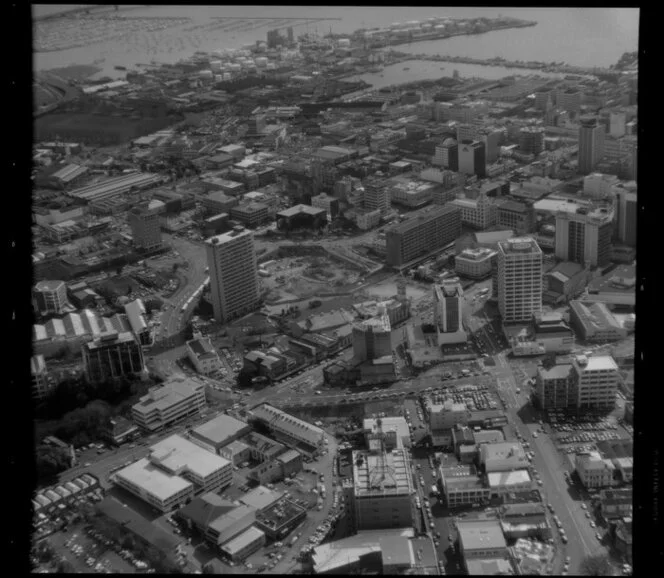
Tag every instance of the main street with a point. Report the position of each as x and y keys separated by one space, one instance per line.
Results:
x=550 y=465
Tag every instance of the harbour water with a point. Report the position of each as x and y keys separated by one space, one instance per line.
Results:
x=419 y=70
x=578 y=36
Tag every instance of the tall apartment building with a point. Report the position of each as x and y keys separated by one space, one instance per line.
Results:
x=596 y=381
x=233 y=269
x=617 y=122
x=112 y=355
x=516 y=216
x=447 y=154
x=145 y=226
x=50 y=297
x=555 y=387
x=376 y=195
x=626 y=208
x=41 y=384
x=585 y=236
x=531 y=140
x=372 y=338
x=382 y=489
x=420 y=235
x=448 y=313
x=169 y=403
x=519 y=279
x=591 y=145
x=475 y=263
x=472 y=158
x=568 y=99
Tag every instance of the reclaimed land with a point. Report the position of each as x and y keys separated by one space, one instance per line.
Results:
x=92 y=122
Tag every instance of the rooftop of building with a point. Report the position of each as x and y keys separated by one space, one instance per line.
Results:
x=168 y=394
x=201 y=347
x=378 y=475
x=480 y=253
x=175 y=453
x=110 y=338
x=301 y=209
x=513 y=478
x=164 y=541
x=421 y=217
x=275 y=417
x=379 y=323
x=481 y=535
x=558 y=371
x=502 y=451
x=261 y=497
x=596 y=315
x=154 y=480
x=220 y=429
x=242 y=540
x=205 y=509
x=396 y=424
x=519 y=245
x=49 y=285
x=492 y=237
x=490 y=567
x=236 y=233
x=488 y=436
x=231 y=517
x=337 y=555
x=585 y=363
x=620 y=280
x=279 y=514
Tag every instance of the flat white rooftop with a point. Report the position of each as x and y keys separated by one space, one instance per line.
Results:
x=516 y=477
x=175 y=453
x=153 y=480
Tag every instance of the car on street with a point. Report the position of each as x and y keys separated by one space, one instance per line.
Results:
x=598 y=536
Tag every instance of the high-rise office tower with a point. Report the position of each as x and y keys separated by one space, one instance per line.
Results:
x=584 y=236
x=591 y=144
x=376 y=195
x=472 y=158
x=519 y=279
x=626 y=209
x=145 y=226
x=531 y=140
x=233 y=269
x=372 y=338
x=448 y=313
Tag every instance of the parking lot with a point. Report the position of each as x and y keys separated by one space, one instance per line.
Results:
x=580 y=433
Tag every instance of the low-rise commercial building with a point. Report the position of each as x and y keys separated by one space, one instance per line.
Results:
x=480 y=540
x=525 y=521
x=216 y=519
x=244 y=544
x=280 y=519
x=169 y=403
x=393 y=430
x=250 y=214
x=503 y=483
x=217 y=433
x=503 y=457
x=203 y=355
x=174 y=471
x=475 y=263
x=301 y=217
x=288 y=428
x=462 y=486
x=594 y=471
x=616 y=503
x=594 y=322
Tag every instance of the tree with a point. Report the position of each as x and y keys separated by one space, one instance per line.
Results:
x=597 y=565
